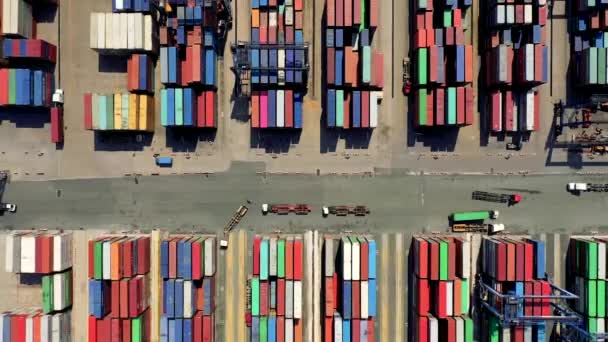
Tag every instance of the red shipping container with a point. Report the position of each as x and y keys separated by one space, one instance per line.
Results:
x=518 y=333
x=420 y=24
x=468 y=66
x=92 y=329
x=501 y=262
x=116 y=330
x=280 y=329
x=56 y=127
x=263 y=33
x=365 y=109
x=510 y=123
x=143 y=255
x=538 y=290
x=519 y=14
x=196 y=260
x=430 y=37
x=356 y=13
x=355 y=330
x=370 y=330
x=364 y=260
x=449 y=328
x=546 y=303
x=104 y=329
x=88 y=108
x=281 y=297
x=124 y=298
x=330 y=11
x=439 y=101
x=272 y=3
x=256 y=255
x=495 y=110
x=520 y=256
x=347 y=100
x=115 y=300
x=528 y=303
x=289 y=260
x=289 y=108
x=200 y=110
x=457 y=17
x=255 y=110
x=430 y=108
x=356 y=299
x=432 y=64
x=298 y=5
x=421 y=38
x=329 y=331
x=423 y=296
x=329 y=296
x=441 y=299
x=421 y=253
x=469 y=105
x=133 y=298
x=272 y=34
x=210 y=109
x=207 y=328
x=373 y=13
x=336 y=287
x=173 y=258
x=264 y=298
x=348 y=13
x=127 y=252
x=197 y=333
x=126 y=330
x=289 y=35
x=331 y=60
x=434 y=259
x=529 y=261
x=298 y=251
x=18 y=328
x=542 y=16
x=460 y=105
x=459 y=36
x=4 y=89
x=422 y=328
x=339 y=13
x=378 y=69
x=196 y=63
x=449 y=36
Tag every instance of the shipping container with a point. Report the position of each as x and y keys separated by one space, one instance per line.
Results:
x=115 y=32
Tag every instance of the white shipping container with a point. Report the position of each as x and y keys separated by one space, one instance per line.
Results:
x=109 y=28
x=374 y=97
x=6 y=20
x=433 y=329
x=116 y=32
x=297 y=299
x=93 y=31
x=601 y=325
x=62 y=252
x=188 y=299
x=288 y=330
x=131 y=31
x=209 y=257
x=139 y=30
x=280 y=108
x=466 y=259
x=2 y=325
x=149 y=34
x=289 y=299
x=106 y=263
x=449 y=298
x=28 y=254
x=288 y=15
x=124 y=30
x=46 y=328
x=601 y=262
x=500 y=14
x=364 y=299
x=542 y=2
x=338 y=328
x=346 y=259
x=29 y=329
x=506 y=333
x=503 y=68
x=17 y=18
x=529 y=59
x=12 y=261
x=529 y=110
x=329 y=257
x=356 y=259
x=459 y=329
x=281 y=73
x=101 y=33
x=59 y=299
x=528 y=14
x=273 y=19
x=516 y=107
x=528 y=333
x=510 y=14
x=272 y=269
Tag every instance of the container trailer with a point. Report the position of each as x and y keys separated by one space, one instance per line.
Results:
x=284 y=209
x=474 y=216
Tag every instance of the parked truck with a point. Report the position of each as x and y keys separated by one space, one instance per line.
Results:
x=510 y=199
x=344 y=210
x=472 y=216
x=586 y=187
x=285 y=209
x=489 y=228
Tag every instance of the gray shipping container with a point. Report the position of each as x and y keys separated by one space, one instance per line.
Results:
x=502 y=63
x=273 y=294
x=255 y=329
x=289 y=299
x=273 y=258
x=329 y=258
x=209 y=257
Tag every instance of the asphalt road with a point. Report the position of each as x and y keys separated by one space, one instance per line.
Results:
x=398 y=203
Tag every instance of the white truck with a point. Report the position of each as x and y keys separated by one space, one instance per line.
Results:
x=586 y=187
x=8 y=207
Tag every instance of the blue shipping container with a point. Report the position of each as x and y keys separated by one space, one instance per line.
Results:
x=298 y=100
x=299 y=37
x=345 y=330
x=189 y=120
x=164 y=65
x=272 y=108
x=170 y=298
x=172 y=330
x=346 y=299
x=356 y=112
x=371 y=247
x=290 y=62
x=187 y=330
x=207 y=307
x=209 y=67
x=539 y=256
x=164 y=247
x=460 y=63
x=339 y=38
x=331 y=108
x=339 y=67
x=255 y=329
x=371 y=297
x=329 y=38
x=179 y=330
x=181 y=35
x=272 y=329
x=171 y=107
x=6 y=328
x=164 y=329
x=179 y=298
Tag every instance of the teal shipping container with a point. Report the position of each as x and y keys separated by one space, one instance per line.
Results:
x=340 y=108
x=451 y=105
x=422 y=66
x=367 y=64
x=179 y=106
x=125 y=111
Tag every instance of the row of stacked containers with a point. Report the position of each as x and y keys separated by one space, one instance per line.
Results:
x=589 y=37
x=516 y=62
x=587 y=276
x=354 y=71
x=275 y=289
x=440 y=288
x=188 y=58
x=119 y=288
x=120 y=111
x=188 y=291
x=277 y=58
x=515 y=265
x=48 y=256
x=349 y=289
x=443 y=58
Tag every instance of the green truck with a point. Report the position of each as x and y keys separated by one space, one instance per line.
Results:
x=468 y=216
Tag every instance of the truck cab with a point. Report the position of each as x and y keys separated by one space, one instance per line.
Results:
x=8 y=207
x=577 y=187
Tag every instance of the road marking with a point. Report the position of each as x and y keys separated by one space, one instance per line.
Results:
x=229 y=286
x=242 y=283
x=399 y=289
x=385 y=334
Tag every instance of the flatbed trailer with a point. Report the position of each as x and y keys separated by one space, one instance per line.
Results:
x=496 y=197
x=285 y=209
x=587 y=187
x=234 y=220
x=345 y=210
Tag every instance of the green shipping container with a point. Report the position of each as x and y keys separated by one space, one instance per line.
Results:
x=592 y=66
x=103 y=110
x=493 y=329
x=591 y=298
x=125 y=112
x=363 y=16
x=163 y=107
x=592 y=325
x=422 y=67
x=12 y=86
x=281 y=258
x=601 y=298
x=110 y=112
x=179 y=107
x=447 y=18
x=136 y=329
x=443 y=260
x=591 y=260
x=263 y=328
x=98 y=260
x=255 y=297
x=601 y=61
x=451 y=105
x=47 y=293
x=591 y=3
x=471 y=216
x=468 y=329
x=464 y=296
x=422 y=104
x=367 y=64
x=264 y=251
x=340 y=108
x=422 y=3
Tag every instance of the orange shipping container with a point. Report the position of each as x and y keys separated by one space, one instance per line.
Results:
x=297 y=330
x=299 y=21
x=255 y=18
x=350 y=66
x=116 y=260
x=468 y=59
x=255 y=109
x=299 y=5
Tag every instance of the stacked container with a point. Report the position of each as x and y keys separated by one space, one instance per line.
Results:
x=349 y=289
x=113 y=33
x=29 y=49
x=276 y=289
x=354 y=71
x=440 y=286
x=133 y=5
x=140 y=73
x=26 y=87
x=188 y=305
x=48 y=255
x=515 y=265
x=120 y=111
x=277 y=58
x=119 y=288
x=443 y=61
x=516 y=61
x=17 y=19
x=589 y=27
x=188 y=63
x=586 y=265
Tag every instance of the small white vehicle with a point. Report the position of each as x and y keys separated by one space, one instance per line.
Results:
x=8 y=207
x=325 y=211
x=578 y=187
x=264 y=208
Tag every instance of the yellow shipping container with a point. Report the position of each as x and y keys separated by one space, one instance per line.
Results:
x=146 y=113
x=133 y=111
x=117 y=111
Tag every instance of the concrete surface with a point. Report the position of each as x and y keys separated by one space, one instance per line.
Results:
x=26 y=151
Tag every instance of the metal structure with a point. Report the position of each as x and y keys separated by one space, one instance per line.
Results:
x=241 y=52
x=234 y=220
